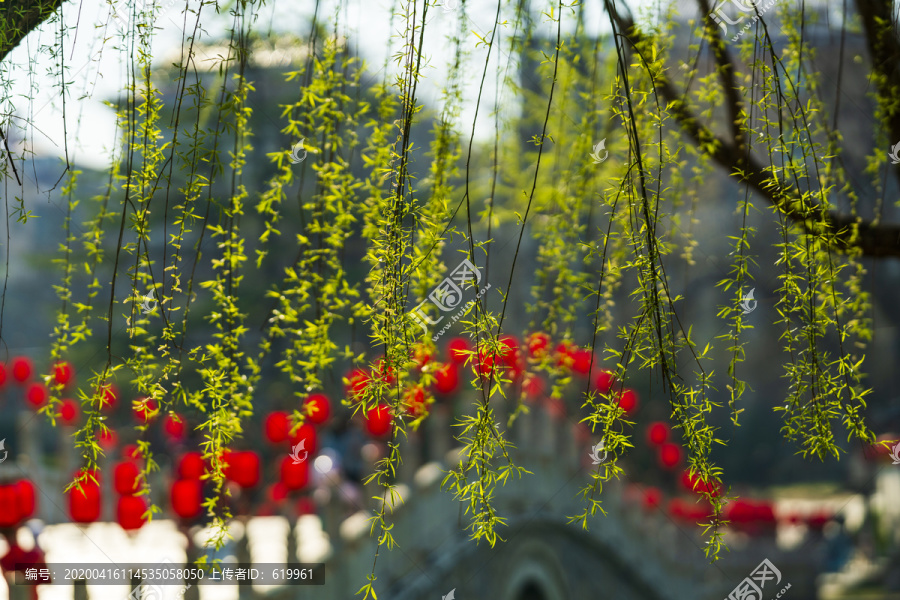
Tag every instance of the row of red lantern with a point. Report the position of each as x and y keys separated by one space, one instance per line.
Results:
x=22 y=370
x=17 y=502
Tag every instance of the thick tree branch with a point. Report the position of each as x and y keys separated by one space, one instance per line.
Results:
x=841 y=231
x=19 y=17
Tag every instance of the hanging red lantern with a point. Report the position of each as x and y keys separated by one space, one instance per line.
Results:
x=384 y=371
x=446 y=379
x=84 y=504
x=2 y=375
x=277 y=426
x=278 y=492
x=564 y=354
x=628 y=400
x=175 y=427
x=132 y=452
x=130 y=512
x=306 y=433
x=534 y=386
x=68 y=411
x=9 y=506
x=318 y=408
x=191 y=466
x=25 y=498
x=537 y=343
x=670 y=455
x=107 y=439
x=421 y=355
x=144 y=409
x=657 y=433
x=187 y=498
x=652 y=498
x=22 y=369
x=63 y=373
x=109 y=396
x=509 y=351
x=126 y=476
x=581 y=361
x=242 y=468
x=458 y=350
x=696 y=484
x=414 y=400
x=36 y=394
x=294 y=475
x=378 y=420
x=358 y=382
x=605 y=381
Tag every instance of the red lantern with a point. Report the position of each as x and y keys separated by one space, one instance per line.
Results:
x=414 y=399
x=581 y=361
x=187 y=498
x=144 y=410
x=22 y=369
x=68 y=412
x=109 y=396
x=670 y=455
x=9 y=506
x=36 y=394
x=446 y=379
x=191 y=466
x=307 y=434
x=358 y=382
x=657 y=433
x=130 y=512
x=278 y=492
x=628 y=400
x=294 y=475
x=421 y=355
x=458 y=350
x=564 y=354
x=318 y=408
x=132 y=452
x=126 y=477
x=277 y=427
x=605 y=381
x=84 y=504
x=25 y=498
x=175 y=427
x=2 y=374
x=107 y=439
x=242 y=468
x=378 y=420
x=534 y=386
x=537 y=343
x=63 y=373
x=652 y=498
x=383 y=372
x=509 y=355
